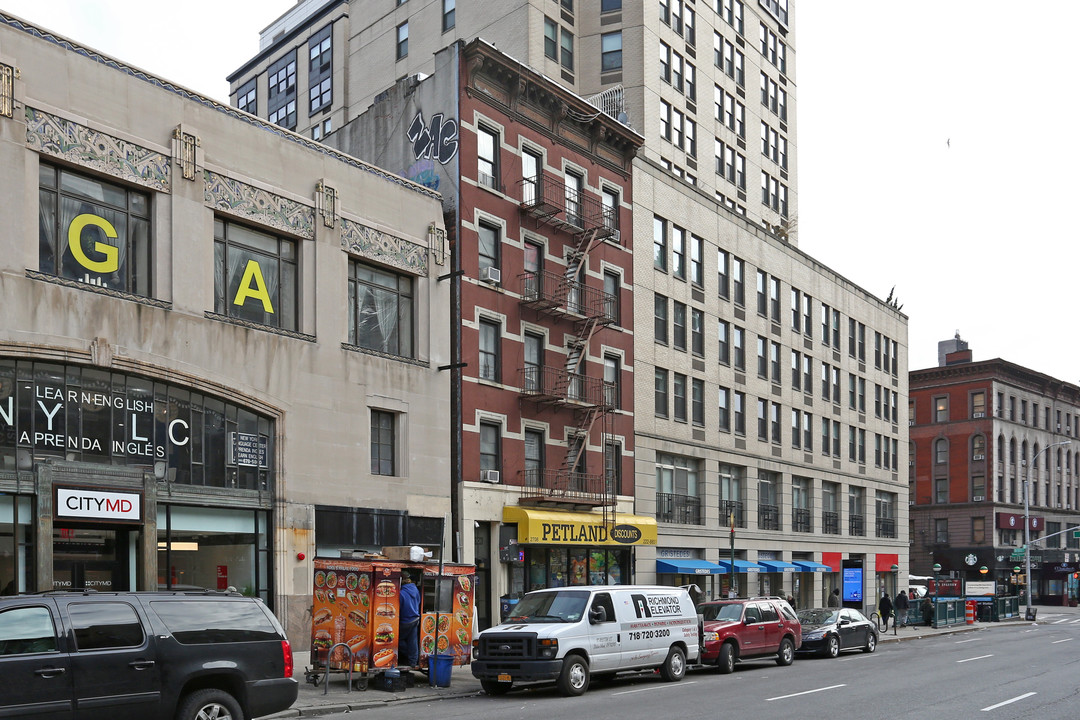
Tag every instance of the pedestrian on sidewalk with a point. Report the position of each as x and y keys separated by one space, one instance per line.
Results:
x=408 y=646
x=884 y=609
x=927 y=611
x=834 y=598
x=900 y=605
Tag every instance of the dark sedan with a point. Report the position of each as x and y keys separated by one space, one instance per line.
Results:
x=827 y=631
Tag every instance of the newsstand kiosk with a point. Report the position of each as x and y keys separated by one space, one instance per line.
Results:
x=355 y=612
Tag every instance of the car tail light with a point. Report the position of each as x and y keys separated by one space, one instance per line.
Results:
x=286 y=653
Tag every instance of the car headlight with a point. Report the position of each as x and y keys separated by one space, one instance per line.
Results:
x=815 y=635
x=710 y=636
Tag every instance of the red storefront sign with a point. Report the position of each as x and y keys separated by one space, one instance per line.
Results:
x=1015 y=521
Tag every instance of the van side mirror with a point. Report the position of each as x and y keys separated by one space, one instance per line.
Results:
x=598 y=614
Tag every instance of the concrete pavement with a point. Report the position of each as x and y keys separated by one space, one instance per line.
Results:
x=314 y=701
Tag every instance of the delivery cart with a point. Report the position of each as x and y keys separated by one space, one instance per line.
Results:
x=356 y=602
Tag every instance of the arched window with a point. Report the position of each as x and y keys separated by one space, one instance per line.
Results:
x=941 y=451
x=978 y=447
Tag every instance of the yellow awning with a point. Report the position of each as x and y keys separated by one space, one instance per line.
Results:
x=550 y=527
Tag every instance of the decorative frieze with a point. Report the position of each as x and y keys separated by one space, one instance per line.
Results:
x=52 y=135
x=253 y=204
x=384 y=248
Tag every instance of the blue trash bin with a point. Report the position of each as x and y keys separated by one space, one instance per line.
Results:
x=439 y=667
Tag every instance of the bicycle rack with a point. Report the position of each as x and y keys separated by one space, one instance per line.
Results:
x=329 y=654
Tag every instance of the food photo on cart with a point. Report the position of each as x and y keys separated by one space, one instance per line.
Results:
x=357 y=628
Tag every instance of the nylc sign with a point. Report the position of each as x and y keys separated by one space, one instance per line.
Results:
x=98 y=505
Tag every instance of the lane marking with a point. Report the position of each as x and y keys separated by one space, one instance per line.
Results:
x=981 y=657
x=1058 y=622
x=652 y=687
x=1061 y=641
x=1008 y=702
x=961 y=642
x=808 y=692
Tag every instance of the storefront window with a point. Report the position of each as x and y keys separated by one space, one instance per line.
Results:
x=16 y=562
x=557 y=572
x=579 y=558
x=85 y=414
x=550 y=567
x=212 y=548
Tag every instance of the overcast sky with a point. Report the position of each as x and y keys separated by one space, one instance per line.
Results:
x=936 y=140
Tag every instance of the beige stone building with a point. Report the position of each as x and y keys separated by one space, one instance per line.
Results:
x=221 y=340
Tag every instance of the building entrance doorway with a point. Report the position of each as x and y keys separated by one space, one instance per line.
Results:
x=93 y=558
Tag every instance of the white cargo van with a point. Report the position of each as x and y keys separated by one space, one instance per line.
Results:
x=574 y=633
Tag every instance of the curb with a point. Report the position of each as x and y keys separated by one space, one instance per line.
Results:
x=318 y=710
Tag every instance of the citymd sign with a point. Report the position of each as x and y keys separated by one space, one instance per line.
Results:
x=98 y=505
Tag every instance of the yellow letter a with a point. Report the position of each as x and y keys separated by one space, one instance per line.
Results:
x=253 y=277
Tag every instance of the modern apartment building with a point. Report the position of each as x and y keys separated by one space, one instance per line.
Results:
x=221 y=340
x=724 y=230
x=982 y=434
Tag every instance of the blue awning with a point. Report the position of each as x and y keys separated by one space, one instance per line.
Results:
x=811 y=566
x=741 y=566
x=777 y=565
x=688 y=567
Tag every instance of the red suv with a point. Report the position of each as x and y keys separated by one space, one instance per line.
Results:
x=749 y=628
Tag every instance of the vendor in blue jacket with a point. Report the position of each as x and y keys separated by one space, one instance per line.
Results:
x=409 y=647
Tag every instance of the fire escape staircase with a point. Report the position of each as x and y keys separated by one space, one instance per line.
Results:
x=569 y=298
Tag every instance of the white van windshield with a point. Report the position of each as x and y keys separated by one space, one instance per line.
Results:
x=550 y=607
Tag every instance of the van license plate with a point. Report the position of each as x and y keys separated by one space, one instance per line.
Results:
x=503 y=677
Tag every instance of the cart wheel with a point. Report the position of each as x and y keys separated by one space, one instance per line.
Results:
x=360 y=684
x=316 y=680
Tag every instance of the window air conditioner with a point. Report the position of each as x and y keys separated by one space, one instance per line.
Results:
x=979 y=498
x=491 y=275
x=1023 y=463
x=978 y=457
x=489 y=476
x=615 y=237
x=979 y=415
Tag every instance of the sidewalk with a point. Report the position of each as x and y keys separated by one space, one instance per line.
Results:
x=312 y=701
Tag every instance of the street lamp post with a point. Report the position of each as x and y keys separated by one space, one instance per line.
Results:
x=937 y=569
x=1027 y=525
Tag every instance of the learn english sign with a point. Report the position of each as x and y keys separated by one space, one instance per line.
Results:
x=97 y=505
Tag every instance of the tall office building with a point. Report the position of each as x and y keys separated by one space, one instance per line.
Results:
x=769 y=391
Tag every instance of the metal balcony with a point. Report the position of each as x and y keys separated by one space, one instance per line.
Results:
x=547 y=198
x=556 y=294
x=566 y=490
x=680 y=509
x=559 y=386
x=732 y=507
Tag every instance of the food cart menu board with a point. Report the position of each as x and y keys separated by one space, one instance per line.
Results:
x=450 y=633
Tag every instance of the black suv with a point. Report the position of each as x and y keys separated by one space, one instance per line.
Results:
x=137 y=655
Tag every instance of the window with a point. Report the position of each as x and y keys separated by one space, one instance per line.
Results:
x=402 y=40
x=255 y=277
x=534 y=458
x=487 y=157
x=978 y=447
x=740 y=413
x=660 y=392
x=103 y=625
x=660 y=319
x=611 y=381
x=490 y=447
x=551 y=31
x=534 y=361
x=531 y=162
x=762 y=302
x=380 y=310
x=774 y=362
x=724 y=407
x=697 y=399
x=978 y=405
x=762 y=420
x=678 y=325
x=382 y=443
x=665 y=120
x=722 y=273
x=112 y=225
x=281 y=100
x=678 y=252
x=610 y=5
x=678 y=395
x=659 y=243
x=567 y=49
x=762 y=357
x=488 y=246
x=449 y=14
x=697 y=332
x=489 y=350
x=246 y=97
x=796 y=429
x=941 y=409
x=611 y=51
x=697 y=271
x=941 y=451
x=738 y=338
x=737 y=274
x=808 y=432
x=774 y=423
x=723 y=328
x=941 y=530
x=25 y=630
x=609 y=205
x=320 y=69
x=612 y=281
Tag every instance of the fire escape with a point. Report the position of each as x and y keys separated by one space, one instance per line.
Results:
x=568 y=299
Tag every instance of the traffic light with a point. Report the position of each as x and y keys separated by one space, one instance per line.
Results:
x=1076 y=575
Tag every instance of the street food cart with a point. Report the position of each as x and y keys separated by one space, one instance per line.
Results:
x=355 y=615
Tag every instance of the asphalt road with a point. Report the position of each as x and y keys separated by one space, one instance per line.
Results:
x=1014 y=670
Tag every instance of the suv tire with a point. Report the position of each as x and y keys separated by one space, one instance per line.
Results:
x=574 y=679
x=674 y=667
x=786 y=654
x=726 y=662
x=210 y=703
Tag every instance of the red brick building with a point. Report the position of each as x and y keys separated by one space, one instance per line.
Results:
x=980 y=433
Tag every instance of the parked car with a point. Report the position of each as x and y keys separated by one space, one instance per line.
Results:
x=572 y=634
x=132 y=655
x=747 y=629
x=828 y=631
